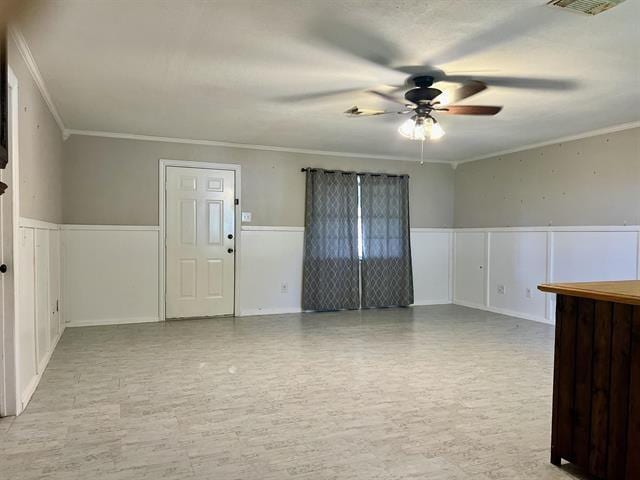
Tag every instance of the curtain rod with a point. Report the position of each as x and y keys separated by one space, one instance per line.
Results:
x=357 y=173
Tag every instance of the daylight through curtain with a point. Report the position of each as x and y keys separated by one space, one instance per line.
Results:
x=387 y=278
x=330 y=278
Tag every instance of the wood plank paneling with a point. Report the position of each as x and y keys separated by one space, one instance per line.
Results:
x=633 y=437
x=596 y=389
x=556 y=458
x=600 y=388
x=619 y=393
x=582 y=402
x=567 y=310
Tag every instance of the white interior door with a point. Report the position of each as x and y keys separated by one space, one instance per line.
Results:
x=6 y=283
x=8 y=216
x=200 y=242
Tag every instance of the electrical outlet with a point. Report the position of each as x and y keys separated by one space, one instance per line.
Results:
x=528 y=293
x=246 y=216
x=501 y=289
x=284 y=287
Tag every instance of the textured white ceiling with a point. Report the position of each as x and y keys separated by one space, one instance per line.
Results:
x=218 y=70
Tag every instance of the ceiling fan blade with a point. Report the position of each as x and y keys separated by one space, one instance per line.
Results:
x=521 y=22
x=315 y=95
x=469 y=110
x=390 y=98
x=533 y=83
x=354 y=39
x=465 y=91
x=421 y=70
x=357 y=112
x=366 y=112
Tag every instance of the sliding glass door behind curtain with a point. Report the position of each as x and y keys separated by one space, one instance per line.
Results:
x=357 y=249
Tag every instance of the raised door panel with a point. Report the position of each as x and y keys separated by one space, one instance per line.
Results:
x=188 y=278
x=215 y=222
x=188 y=183
x=215 y=278
x=215 y=184
x=188 y=222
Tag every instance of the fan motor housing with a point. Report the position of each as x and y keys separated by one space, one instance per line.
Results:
x=422 y=94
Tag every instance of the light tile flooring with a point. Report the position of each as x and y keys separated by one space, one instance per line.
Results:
x=439 y=393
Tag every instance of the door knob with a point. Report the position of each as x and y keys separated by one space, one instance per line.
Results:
x=3 y=268
x=230 y=250
x=230 y=236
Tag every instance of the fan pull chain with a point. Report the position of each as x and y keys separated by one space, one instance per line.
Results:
x=422 y=152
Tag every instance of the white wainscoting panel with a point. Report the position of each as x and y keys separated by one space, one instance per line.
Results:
x=518 y=262
x=595 y=256
x=271 y=257
x=54 y=284
x=520 y=258
x=38 y=326
x=26 y=325
x=470 y=264
x=43 y=315
x=431 y=260
x=110 y=274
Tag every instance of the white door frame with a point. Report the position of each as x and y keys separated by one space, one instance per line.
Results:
x=162 y=287
x=10 y=403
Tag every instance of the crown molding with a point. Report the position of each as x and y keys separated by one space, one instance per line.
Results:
x=32 y=66
x=579 y=136
x=269 y=148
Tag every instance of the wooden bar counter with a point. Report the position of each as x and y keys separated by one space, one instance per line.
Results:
x=596 y=379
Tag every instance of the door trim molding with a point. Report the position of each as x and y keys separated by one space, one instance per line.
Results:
x=10 y=403
x=162 y=165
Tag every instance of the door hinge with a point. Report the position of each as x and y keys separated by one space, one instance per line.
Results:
x=237 y=202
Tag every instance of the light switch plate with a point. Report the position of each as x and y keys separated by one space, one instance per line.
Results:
x=246 y=216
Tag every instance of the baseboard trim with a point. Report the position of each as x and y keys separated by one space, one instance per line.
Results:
x=255 y=312
x=463 y=303
x=502 y=311
x=420 y=303
x=25 y=397
x=113 y=321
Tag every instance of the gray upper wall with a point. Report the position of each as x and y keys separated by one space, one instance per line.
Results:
x=115 y=181
x=40 y=147
x=592 y=181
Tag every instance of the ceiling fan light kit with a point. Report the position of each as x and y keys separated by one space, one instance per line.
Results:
x=423 y=100
x=421 y=128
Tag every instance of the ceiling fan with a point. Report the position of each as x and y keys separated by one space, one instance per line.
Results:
x=422 y=101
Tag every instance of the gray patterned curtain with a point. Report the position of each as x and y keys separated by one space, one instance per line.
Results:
x=330 y=268
x=387 y=278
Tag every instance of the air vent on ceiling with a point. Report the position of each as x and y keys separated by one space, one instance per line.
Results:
x=590 y=7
